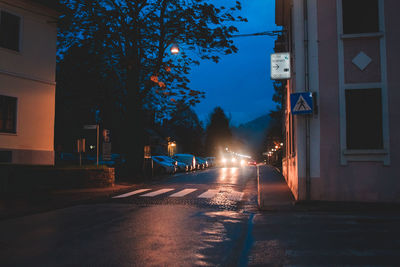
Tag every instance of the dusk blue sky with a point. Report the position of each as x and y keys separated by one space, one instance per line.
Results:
x=240 y=83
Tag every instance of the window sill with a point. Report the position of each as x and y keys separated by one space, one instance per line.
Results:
x=367 y=155
x=371 y=35
x=365 y=152
x=11 y=51
x=5 y=133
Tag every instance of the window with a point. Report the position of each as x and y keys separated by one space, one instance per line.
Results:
x=364 y=119
x=8 y=114
x=360 y=16
x=9 y=30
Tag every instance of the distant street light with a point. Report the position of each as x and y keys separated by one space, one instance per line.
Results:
x=174 y=49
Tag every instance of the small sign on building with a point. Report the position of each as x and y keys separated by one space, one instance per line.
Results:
x=301 y=103
x=280 y=66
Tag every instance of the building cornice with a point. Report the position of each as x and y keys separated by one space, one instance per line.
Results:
x=33 y=7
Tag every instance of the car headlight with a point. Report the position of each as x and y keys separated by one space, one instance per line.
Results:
x=233 y=160
x=242 y=162
x=223 y=160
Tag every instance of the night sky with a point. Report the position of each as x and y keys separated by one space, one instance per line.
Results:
x=240 y=83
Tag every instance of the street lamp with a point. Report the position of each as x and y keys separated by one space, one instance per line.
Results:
x=174 y=49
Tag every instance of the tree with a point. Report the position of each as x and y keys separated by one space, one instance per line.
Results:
x=218 y=132
x=187 y=129
x=86 y=93
x=134 y=37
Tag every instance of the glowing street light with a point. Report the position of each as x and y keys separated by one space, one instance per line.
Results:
x=174 y=49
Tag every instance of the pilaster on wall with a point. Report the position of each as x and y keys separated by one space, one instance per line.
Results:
x=309 y=42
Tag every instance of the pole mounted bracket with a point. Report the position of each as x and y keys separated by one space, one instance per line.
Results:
x=266 y=33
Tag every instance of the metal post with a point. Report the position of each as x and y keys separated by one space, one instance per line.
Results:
x=97 y=160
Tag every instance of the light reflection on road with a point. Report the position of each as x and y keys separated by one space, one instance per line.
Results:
x=229 y=175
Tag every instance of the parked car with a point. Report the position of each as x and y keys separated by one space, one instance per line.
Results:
x=163 y=166
x=188 y=159
x=180 y=166
x=203 y=161
x=211 y=161
x=200 y=164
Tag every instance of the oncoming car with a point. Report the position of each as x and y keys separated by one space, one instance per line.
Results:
x=230 y=161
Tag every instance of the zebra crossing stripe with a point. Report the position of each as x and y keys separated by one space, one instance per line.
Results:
x=235 y=196
x=209 y=193
x=132 y=193
x=158 y=192
x=183 y=193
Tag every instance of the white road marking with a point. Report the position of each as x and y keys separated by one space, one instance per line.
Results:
x=183 y=193
x=132 y=193
x=158 y=192
x=235 y=196
x=209 y=193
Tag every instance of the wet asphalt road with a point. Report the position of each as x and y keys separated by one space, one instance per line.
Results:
x=207 y=224
x=206 y=218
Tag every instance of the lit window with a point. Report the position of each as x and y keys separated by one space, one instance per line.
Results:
x=8 y=112
x=9 y=31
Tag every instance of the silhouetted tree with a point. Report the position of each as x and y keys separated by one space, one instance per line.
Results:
x=187 y=129
x=134 y=38
x=218 y=132
x=86 y=94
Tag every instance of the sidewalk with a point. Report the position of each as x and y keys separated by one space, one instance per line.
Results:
x=21 y=204
x=273 y=192
x=275 y=195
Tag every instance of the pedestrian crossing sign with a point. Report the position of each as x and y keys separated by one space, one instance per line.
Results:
x=301 y=103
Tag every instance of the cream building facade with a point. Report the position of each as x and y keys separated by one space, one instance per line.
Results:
x=28 y=41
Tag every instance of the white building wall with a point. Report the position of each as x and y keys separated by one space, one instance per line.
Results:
x=29 y=75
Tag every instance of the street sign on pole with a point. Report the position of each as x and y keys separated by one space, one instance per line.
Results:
x=301 y=103
x=280 y=66
x=94 y=127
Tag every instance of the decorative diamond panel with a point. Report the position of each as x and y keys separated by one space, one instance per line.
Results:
x=362 y=60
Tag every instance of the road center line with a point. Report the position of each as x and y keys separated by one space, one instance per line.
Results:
x=158 y=192
x=132 y=193
x=209 y=193
x=183 y=193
